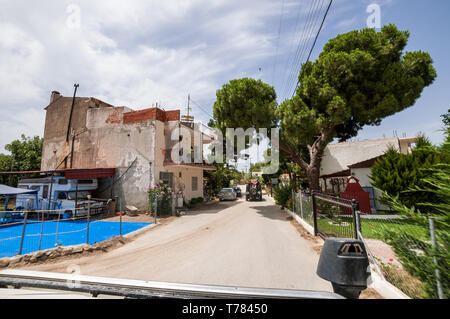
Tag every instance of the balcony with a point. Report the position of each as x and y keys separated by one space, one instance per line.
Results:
x=168 y=161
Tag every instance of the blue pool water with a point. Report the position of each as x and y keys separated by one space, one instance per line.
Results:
x=69 y=233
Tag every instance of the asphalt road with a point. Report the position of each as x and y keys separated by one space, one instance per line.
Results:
x=238 y=243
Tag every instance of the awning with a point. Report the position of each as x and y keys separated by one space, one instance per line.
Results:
x=7 y=190
x=89 y=173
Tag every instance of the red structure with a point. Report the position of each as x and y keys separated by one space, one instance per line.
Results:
x=355 y=191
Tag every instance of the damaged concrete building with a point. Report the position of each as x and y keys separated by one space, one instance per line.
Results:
x=87 y=133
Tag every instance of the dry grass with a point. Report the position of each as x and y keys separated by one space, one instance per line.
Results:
x=404 y=281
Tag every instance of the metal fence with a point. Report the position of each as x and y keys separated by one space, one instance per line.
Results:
x=331 y=216
x=36 y=230
x=411 y=254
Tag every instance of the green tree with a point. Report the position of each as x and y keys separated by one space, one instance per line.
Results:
x=245 y=103
x=220 y=178
x=417 y=255
x=397 y=174
x=5 y=165
x=25 y=156
x=359 y=78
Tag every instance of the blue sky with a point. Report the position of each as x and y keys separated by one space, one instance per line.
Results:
x=137 y=53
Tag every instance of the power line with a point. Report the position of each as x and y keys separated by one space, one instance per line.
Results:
x=292 y=42
x=198 y=105
x=278 y=41
x=307 y=36
x=315 y=40
x=302 y=43
x=302 y=34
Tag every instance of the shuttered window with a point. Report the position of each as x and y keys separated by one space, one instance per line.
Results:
x=194 y=183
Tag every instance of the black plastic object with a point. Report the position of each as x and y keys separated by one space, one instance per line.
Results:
x=345 y=264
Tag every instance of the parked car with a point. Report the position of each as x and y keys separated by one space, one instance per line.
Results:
x=238 y=191
x=227 y=194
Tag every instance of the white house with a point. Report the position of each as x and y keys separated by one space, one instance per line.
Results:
x=342 y=160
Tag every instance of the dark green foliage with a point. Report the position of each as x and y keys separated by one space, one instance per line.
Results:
x=396 y=174
x=416 y=254
x=25 y=156
x=282 y=193
x=220 y=178
x=245 y=103
x=360 y=78
x=196 y=200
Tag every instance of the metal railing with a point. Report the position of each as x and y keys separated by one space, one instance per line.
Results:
x=32 y=231
x=410 y=254
x=331 y=216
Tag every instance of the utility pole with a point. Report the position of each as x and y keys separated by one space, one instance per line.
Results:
x=71 y=111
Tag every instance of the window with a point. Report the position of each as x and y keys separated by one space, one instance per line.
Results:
x=62 y=195
x=85 y=181
x=62 y=181
x=194 y=183
x=45 y=191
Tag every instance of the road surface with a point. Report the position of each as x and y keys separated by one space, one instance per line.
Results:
x=239 y=243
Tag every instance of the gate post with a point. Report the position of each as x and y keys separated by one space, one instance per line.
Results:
x=313 y=193
x=293 y=200
x=156 y=206
x=301 y=203
x=436 y=269
x=356 y=221
x=88 y=217
x=23 y=232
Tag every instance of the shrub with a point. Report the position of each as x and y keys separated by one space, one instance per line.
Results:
x=164 y=194
x=282 y=194
x=396 y=174
x=415 y=254
x=196 y=200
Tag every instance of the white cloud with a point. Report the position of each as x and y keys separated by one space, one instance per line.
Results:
x=132 y=54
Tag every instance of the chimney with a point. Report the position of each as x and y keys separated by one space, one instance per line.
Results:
x=54 y=96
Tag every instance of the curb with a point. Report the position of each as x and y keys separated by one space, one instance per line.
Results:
x=139 y=231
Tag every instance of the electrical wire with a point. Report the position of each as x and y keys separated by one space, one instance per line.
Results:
x=198 y=105
x=278 y=41
x=307 y=35
x=301 y=44
x=315 y=40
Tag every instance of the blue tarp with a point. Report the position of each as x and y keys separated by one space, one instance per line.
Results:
x=7 y=190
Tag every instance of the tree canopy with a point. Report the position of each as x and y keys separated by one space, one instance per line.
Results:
x=358 y=79
x=245 y=103
x=25 y=156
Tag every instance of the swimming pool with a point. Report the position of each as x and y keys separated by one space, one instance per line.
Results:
x=65 y=232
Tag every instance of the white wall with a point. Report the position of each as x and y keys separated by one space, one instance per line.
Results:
x=363 y=175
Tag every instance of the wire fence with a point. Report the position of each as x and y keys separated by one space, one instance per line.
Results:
x=330 y=216
x=411 y=254
x=30 y=231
